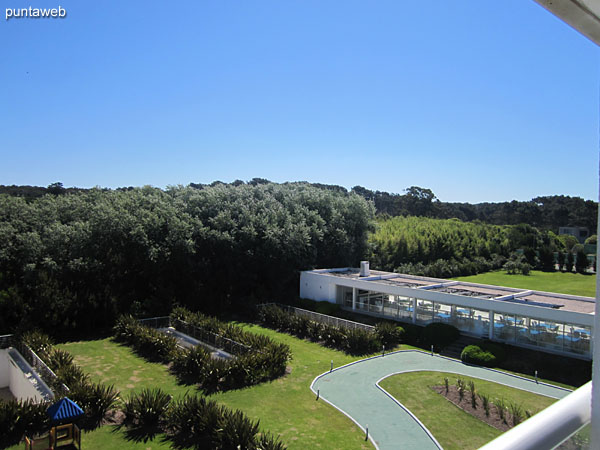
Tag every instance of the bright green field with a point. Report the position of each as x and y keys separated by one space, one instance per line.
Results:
x=451 y=426
x=285 y=406
x=564 y=283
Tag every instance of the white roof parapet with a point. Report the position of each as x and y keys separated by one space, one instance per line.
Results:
x=381 y=277
x=511 y=296
x=439 y=285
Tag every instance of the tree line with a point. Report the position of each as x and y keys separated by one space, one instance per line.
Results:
x=76 y=260
x=546 y=212
x=449 y=247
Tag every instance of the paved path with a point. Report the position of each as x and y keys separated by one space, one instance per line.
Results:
x=353 y=389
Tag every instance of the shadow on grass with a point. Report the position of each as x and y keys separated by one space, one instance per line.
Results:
x=139 y=433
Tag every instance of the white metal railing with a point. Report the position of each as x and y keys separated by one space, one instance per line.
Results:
x=199 y=333
x=551 y=426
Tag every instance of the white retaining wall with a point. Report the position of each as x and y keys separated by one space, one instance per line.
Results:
x=4 y=369
x=317 y=287
x=21 y=381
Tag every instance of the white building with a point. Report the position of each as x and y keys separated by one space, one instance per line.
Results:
x=555 y=323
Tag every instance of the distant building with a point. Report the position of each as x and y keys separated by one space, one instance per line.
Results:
x=555 y=323
x=580 y=233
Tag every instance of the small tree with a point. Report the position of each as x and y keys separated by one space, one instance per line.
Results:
x=581 y=263
x=570 y=261
x=546 y=256
x=561 y=261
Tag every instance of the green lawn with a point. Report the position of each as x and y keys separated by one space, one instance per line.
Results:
x=451 y=426
x=285 y=406
x=564 y=283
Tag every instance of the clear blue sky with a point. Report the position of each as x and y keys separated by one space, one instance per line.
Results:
x=476 y=100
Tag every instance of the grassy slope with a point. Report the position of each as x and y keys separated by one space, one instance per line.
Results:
x=451 y=426
x=285 y=406
x=565 y=283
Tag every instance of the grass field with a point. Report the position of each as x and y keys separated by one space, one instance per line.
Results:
x=564 y=283
x=285 y=406
x=452 y=427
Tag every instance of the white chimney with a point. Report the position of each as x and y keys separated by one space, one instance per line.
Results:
x=364 y=269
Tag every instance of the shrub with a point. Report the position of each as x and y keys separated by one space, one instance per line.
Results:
x=39 y=342
x=439 y=334
x=516 y=410
x=485 y=401
x=361 y=342
x=21 y=417
x=194 y=421
x=96 y=400
x=146 y=409
x=500 y=405
x=389 y=334
x=473 y=354
x=495 y=349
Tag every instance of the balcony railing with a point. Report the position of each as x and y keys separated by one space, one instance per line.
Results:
x=550 y=427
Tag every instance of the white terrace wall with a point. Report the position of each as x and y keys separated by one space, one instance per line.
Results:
x=13 y=377
x=314 y=286
x=4 y=369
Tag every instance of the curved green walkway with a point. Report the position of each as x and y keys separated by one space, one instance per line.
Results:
x=353 y=389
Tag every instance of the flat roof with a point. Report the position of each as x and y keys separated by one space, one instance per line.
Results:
x=549 y=300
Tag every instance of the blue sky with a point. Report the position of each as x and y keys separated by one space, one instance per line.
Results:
x=476 y=100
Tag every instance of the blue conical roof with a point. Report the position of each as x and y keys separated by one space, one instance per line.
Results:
x=64 y=410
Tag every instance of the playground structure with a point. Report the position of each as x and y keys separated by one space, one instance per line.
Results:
x=63 y=432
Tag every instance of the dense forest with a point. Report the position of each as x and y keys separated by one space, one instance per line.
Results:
x=75 y=260
x=546 y=212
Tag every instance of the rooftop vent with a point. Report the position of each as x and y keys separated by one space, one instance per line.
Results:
x=364 y=269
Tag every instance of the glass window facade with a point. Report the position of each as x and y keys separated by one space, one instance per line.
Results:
x=512 y=329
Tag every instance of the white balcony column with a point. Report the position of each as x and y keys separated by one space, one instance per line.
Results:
x=414 y=311
x=491 y=329
x=354 y=295
x=595 y=437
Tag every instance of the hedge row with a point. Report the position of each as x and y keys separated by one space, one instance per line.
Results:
x=352 y=341
x=147 y=342
x=194 y=421
x=265 y=361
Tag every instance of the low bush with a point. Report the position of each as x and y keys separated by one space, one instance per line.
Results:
x=361 y=342
x=439 y=335
x=473 y=354
x=146 y=409
x=21 y=417
x=389 y=334
x=96 y=400
x=194 y=421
